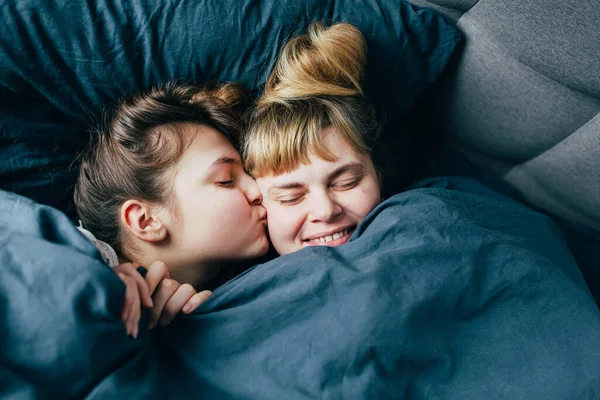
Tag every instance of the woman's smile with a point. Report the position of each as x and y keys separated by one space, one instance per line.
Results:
x=334 y=238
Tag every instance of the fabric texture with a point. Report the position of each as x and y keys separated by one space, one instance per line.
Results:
x=57 y=75
x=449 y=290
x=451 y=8
x=60 y=330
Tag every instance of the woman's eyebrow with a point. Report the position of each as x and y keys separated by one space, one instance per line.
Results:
x=284 y=186
x=350 y=167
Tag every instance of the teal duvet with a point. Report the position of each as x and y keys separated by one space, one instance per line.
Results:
x=446 y=291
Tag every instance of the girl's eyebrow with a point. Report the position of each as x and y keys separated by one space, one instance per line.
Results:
x=225 y=160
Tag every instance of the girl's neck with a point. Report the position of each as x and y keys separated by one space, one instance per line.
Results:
x=198 y=275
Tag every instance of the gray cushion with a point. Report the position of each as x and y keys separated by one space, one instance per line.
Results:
x=522 y=102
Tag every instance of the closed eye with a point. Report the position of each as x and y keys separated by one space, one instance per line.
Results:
x=346 y=184
x=226 y=183
x=290 y=201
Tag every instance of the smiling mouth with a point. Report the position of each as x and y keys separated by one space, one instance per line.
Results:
x=334 y=239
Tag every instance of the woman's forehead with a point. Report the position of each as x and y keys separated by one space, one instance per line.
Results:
x=317 y=171
x=339 y=148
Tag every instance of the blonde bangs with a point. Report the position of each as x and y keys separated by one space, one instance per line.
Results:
x=281 y=137
x=277 y=143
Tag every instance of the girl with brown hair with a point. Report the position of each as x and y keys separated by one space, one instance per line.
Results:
x=164 y=181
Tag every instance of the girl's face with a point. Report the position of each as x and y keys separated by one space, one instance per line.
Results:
x=321 y=203
x=217 y=214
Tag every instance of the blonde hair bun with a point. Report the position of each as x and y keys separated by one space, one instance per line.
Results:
x=323 y=62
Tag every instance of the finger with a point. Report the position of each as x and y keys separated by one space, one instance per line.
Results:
x=124 y=268
x=126 y=308
x=157 y=271
x=195 y=301
x=143 y=289
x=175 y=303
x=130 y=270
x=136 y=312
x=166 y=288
x=131 y=305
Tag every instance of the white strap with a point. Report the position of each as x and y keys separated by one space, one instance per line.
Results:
x=109 y=255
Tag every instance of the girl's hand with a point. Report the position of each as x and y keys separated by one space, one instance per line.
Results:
x=137 y=293
x=169 y=296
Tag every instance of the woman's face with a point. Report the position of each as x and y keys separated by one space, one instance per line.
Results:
x=217 y=213
x=321 y=203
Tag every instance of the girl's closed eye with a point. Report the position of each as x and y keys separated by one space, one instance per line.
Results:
x=225 y=182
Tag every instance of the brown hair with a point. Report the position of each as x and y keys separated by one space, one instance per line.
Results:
x=137 y=144
x=315 y=84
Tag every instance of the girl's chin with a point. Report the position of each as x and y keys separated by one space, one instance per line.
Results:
x=262 y=246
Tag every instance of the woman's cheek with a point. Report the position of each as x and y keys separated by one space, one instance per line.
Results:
x=275 y=222
x=366 y=200
x=291 y=222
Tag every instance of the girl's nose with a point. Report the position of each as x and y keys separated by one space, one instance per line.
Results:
x=251 y=190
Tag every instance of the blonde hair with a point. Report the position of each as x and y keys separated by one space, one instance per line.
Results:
x=139 y=142
x=315 y=84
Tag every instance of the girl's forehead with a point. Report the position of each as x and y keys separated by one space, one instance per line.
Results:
x=208 y=141
x=208 y=151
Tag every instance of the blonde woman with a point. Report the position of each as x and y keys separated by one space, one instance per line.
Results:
x=309 y=141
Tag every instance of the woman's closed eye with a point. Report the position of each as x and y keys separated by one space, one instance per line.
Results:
x=289 y=200
x=345 y=184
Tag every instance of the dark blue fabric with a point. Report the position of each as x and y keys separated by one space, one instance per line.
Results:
x=584 y=244
x=62 y=61
x=60 y=333
x=446 y=291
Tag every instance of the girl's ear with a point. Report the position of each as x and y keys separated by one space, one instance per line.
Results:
x=142 y=221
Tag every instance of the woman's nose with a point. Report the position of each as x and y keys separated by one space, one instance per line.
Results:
x=324 y=208
x=251 y=191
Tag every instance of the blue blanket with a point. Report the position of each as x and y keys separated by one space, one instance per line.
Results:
x=446 y=291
